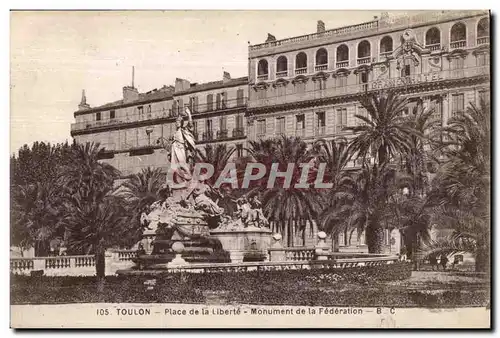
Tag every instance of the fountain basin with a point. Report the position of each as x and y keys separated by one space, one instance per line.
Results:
x=244 y=244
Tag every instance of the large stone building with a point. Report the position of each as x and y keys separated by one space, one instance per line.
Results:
x=308 y=86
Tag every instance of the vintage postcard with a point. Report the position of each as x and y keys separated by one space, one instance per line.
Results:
x=250 y=169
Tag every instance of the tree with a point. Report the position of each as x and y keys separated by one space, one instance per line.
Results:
x=360 y=202
x=287 y=209
x=35 y=216
x=35 y=198
x=462 y=185
x=218 y=156
x=94 y=219
x=384 y=133
x=140 y=191
x=335 y=155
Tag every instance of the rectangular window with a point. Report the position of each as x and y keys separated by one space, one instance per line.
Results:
x=218 y=101
x=457 y=63
x=484 y=95
x=223 y=122
x=301 y=121
x=482 y=59
x=261 y=127
x=281 y=91
x=320 y=119
x=280 y=125
x=98 y=116
x=193 y=104
x=341 y=81
x=261 y=94
x=406 y=71
x=239 y=150
x=300 y=87
x=320 y=84
x=239 y=121
x=112 y=114
x=320 y=123
x=362 y=112
x=140 y=110
x=208 y=125
x=240 y=100
x=210 y=102
x=341 y=118
x=457 y=103
x=224 y=100
x=149 y=109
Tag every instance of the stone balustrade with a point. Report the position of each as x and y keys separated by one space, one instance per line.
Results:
x=81 y=265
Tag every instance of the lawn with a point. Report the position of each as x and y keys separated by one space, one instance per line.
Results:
x=361 y=287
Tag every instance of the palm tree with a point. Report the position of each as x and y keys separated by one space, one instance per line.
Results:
x=96 y=225
x=360 y=202
x=462 y=185
x=35 y=216
x=384 y=133
x=92 y=217
x=287 y=209
x=218 y=156
x=140 y=191
x=335 y=155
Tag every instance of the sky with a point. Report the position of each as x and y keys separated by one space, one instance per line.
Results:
x=54 y=55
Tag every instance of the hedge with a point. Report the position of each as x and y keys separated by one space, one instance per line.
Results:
x=359 y=286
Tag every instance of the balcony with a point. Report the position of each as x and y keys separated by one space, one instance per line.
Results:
x=397 y=82
x=282 y=74
x=158 y=115
x=342 y=64
x=384 y=55
x=483 y=40
x=208 y=136
x=263 y=77
x=458 y=44
x=222 y=134
x=320 y=131
x=299 y=71
x=433 y=47
x=319 y=68
x=238 y=132
x=364 y=60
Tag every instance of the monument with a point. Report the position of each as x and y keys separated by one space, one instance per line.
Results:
x=187 y=227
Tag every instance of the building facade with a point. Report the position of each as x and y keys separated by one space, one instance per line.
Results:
x=307 y=86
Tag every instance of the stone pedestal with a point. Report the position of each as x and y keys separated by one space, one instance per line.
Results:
x=245 y=244
x=322 y=249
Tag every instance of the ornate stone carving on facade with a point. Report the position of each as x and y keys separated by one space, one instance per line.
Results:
x=260 y=86
x=363 y=68
x=280 y=82
x=409 y=49
x=341 y=72
x=435 y=63
x=300 y=79
x=320 y=76
x=457 y=53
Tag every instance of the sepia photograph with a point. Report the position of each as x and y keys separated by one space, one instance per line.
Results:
x=250 y=169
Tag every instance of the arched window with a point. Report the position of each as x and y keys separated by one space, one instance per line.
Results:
x=282 y=66
x=386 y=45
x=342 y=56
x=458 y=35
x=364 y=52
x=301 y=63
x=483 y=31
x=433 y=39
x=321 y=57
x=262 y=69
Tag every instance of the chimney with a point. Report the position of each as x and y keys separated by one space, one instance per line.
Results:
x=226 y=77
x=83 y=103
x=181 y=85
x=320 y=27
x=130 y=93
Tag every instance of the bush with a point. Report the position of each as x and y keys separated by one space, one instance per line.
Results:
x=359 y=286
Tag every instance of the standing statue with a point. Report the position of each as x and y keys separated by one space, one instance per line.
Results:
x=183 y=146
